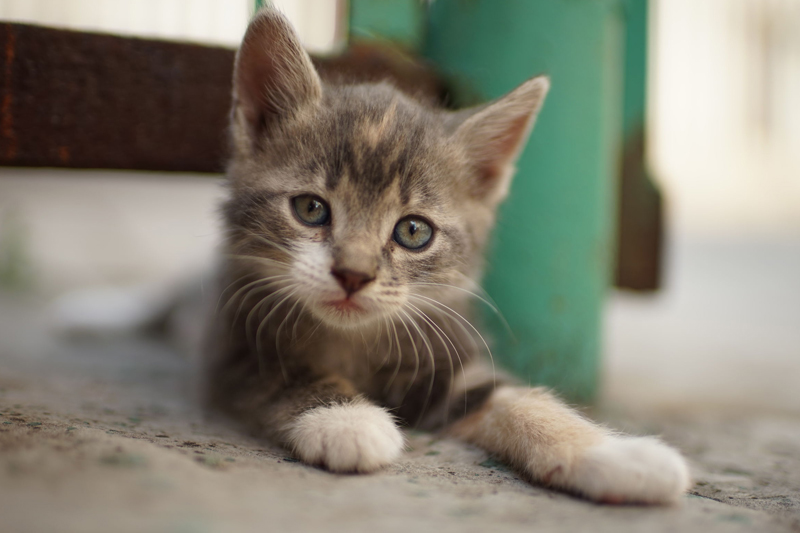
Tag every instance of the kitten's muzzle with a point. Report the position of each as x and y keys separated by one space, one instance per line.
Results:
x=352 y=281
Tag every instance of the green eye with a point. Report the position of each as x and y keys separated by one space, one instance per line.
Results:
x=413 y=233
x=312 y=210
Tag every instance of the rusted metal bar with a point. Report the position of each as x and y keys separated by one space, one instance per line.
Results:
x=87 y=100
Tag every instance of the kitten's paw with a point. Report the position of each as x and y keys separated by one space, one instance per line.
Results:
x=353 y=437
x=631 y=470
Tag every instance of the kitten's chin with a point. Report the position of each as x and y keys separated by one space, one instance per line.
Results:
x=346 y=313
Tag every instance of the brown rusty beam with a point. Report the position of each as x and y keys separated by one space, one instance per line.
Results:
x=85 y=100
x=640 y=222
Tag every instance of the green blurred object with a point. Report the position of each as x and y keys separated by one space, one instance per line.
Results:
x=635 y=100
x=554 y=245
x=399 y=21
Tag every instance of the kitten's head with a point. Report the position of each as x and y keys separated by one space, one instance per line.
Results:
x=358 y=202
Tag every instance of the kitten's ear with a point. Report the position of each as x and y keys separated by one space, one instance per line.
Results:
x=494 y=135
x=273 y=76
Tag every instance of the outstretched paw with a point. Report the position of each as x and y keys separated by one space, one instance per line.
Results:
x=631 y=470
x=352 y=437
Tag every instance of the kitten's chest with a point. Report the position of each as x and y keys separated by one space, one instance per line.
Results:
x=357 y=358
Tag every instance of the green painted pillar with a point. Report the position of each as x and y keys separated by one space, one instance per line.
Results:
x=399 y=21
x=635 y=103
x=552 y=257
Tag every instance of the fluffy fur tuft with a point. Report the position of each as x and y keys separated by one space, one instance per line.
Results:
x=631 y=470
x=349 y=437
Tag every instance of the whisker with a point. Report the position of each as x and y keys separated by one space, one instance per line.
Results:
x=273 y=244
x=400 y=354
x=397 y=365
x=266 y=321
x=428 y=345
x=439 y=333
x=388 y=354
x=226 y=289
x=303 y=309
x=246 y=287
x=467 y=333
x=311 y=334
x=485 y=299
x=257 y=258
x=485 y=344
x=256 y=308
x=278 y=331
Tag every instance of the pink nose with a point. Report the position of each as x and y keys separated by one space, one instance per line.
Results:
x=351 y=280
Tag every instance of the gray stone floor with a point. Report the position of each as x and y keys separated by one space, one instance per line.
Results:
x=100 y=436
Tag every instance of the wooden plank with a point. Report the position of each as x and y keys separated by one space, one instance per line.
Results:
x=85 y=100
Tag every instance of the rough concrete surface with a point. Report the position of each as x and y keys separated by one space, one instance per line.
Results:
x=107 y=436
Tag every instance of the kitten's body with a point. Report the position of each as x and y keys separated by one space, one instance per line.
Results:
x=331 y=314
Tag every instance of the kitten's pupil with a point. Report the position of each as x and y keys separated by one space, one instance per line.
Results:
x=412 y=228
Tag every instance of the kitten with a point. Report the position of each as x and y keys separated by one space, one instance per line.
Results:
x=356 y=222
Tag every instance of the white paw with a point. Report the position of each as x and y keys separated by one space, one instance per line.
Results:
x=353 y=437
x=631 y=470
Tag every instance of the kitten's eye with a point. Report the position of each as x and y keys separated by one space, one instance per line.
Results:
x=312 y=210
x=413 y=233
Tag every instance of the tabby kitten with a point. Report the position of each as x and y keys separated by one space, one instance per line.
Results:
x=356 y=222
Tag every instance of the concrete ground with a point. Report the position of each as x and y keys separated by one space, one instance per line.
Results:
x=106 y=435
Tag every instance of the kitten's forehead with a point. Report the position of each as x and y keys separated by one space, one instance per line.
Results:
x=375 y=143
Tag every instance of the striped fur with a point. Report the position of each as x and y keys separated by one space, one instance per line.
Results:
x=332 y=374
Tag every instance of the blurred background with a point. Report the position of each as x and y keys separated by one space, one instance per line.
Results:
x=723 y=144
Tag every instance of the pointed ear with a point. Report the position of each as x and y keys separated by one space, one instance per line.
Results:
x=273 y=76
x=495 y=134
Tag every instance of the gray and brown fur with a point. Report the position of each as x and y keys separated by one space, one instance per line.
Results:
x=374 y=155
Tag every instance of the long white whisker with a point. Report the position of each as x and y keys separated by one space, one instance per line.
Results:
x=485 y=299
x=268 y=282
x=303 y=309
x=485 y=344
x=413 y=345
x=256 y=308
x=388 y=354
x=439 y=332
x=278 y=331
x=399 y=361
x=428 y=345
x=266 y=321
x=226 y=289
x=446 y=314
x=313 y=331
x=273 y=244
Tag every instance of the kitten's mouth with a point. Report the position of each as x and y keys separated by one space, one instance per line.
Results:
x=345 y=305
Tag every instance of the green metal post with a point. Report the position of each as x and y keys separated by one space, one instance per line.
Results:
x=636 y=15
x=399 y=21
x=552 y=258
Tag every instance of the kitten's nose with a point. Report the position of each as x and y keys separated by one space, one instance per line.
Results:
x=351 y=280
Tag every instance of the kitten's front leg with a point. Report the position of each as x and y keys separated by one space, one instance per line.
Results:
x=557 y=447
x=325 y=422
